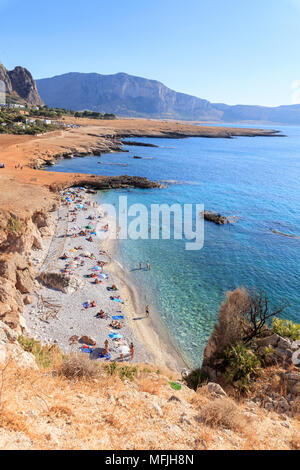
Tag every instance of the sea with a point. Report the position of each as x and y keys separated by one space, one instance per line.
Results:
x=254 y=180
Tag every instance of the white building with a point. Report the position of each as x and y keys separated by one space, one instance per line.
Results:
x=16 y=106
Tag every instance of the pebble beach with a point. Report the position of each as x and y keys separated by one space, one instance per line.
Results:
x=61 y=317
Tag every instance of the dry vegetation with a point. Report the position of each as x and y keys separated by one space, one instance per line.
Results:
x=84 y=406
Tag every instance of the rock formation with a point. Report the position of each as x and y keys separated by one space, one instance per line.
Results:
x=20 y=86
x=11 y=350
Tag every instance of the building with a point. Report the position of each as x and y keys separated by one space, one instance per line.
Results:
x=16 y=106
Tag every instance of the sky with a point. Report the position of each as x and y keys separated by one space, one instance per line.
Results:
x=230 y=51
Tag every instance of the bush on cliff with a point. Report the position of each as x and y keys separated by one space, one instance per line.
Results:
x=286 y=328
x=242 y=317
x=196 y=378
x=231 y=351
x=78 y=366
x=46 y=356
x=242 y=364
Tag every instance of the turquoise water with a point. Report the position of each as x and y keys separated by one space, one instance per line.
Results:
x=256 y=179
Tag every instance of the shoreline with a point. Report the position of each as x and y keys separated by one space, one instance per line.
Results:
x=28 y=195
x=70 y=319
x=151 y=332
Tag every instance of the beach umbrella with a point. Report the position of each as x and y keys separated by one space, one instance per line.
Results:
x=124 y=349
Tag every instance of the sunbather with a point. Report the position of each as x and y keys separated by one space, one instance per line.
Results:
x=100 y=314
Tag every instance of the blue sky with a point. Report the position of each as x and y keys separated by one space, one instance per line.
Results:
x=232 y=51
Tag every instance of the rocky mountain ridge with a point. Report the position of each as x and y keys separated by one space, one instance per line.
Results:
x=20 y=86
x=131 y=96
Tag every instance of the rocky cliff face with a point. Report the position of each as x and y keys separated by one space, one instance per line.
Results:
x=18 y=236
x=20 y=85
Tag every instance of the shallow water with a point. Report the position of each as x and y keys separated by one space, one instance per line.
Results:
x=257 y=180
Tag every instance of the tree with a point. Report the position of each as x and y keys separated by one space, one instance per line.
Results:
x=258 y=313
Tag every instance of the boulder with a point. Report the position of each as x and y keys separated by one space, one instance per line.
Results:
x=283 y=405
x=284 y=343
x=291 y=381
x=87 y=340
x=40 y=219
x=296 y=357
x=15 y=353
x=283 y=355
x=24 y=282
x=28 y=300
x=216 y=388
x=295 y=345
x=6 y=332
x=268 y=341
x=60 y=281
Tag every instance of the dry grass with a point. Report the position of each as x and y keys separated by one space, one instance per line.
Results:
x=78 y=366
x=222 y=412
x=151 y=385
x=48 y=411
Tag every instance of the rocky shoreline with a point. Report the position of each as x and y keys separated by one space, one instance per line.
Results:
x=27 y=196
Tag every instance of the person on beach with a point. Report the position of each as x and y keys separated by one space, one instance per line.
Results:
x=100 y=314
x=140 y=265
x=147 y=311
x=131 y=350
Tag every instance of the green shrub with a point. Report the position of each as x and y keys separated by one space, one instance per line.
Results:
x=127 y=372
x=196 y=378
x=286 y=328
x=13 y=225
x=242 y=364
x=124 y=372
x=46 y=356
x=111 y=368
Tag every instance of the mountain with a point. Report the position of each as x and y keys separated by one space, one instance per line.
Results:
x=288 y=114
x=124 y=95
x=20 y=86
x=127 y=95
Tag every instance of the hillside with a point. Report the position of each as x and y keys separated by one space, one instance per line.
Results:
x=19 y=86
x=127 y=95
x=81 y=404
x=124 y=95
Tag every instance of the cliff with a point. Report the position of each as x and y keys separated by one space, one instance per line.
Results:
x=20 y=86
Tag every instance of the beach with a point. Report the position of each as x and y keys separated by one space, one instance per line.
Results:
x=60 y=317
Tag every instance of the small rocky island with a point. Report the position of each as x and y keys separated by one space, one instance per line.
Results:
x=218 y=219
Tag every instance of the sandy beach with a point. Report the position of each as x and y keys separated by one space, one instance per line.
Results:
x=57 y=316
